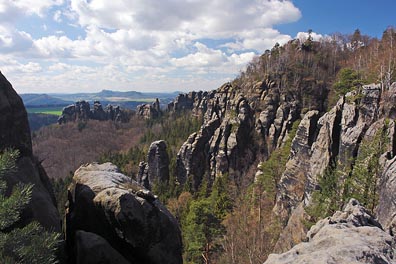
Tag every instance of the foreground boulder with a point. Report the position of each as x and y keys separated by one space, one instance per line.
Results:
x=15 y=134
x=349 y=236
x=122 y=213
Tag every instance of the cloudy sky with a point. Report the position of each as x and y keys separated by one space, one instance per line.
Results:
x=50 y=46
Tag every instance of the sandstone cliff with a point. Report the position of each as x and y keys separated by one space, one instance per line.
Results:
x=245 y=122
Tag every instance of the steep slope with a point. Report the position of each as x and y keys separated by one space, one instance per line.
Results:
x=244 y=124
x=15 y=133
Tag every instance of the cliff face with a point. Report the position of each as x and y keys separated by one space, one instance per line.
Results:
x=241 y=125
x=244 y=123
x=15 y=133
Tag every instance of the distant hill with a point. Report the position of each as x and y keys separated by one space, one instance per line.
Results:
x=117 y=96
x=42 y=100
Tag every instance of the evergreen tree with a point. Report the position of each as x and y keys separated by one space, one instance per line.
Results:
x=30 y=244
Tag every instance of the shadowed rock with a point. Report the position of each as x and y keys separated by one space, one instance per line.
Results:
x=15 y=134
x=128 y=216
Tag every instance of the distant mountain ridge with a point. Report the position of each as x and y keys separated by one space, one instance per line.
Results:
x=55 y=99
x=42 y=99
x=115 y=96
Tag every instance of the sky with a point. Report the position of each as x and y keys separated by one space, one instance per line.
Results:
x=68 y=46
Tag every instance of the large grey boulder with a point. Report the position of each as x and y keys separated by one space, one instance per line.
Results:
x=15 y=133
x=129 y=217
x=349 y=236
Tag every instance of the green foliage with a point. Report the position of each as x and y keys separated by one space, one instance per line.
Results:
x=347 y=80
x=30 y=244
x=273 y=168
x=200 y=230
x=60 y=190
x=202 y=224
x=362 y=184
x=338 y=184
x=326 y=200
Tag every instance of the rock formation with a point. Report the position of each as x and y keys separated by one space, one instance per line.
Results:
x=349 y=236
x=156 y=170
x=117 y=211
x=149 y=111
x=333 y=138
x=224 y=143
x=15 y=133
x=81 y=110
x=245 y=122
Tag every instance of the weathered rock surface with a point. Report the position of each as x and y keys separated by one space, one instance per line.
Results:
x=349 y=236
x=129 y=217
x=157 y=167
x=15 y=133
x=81 y=110
x=333 y=138
x=387 y=197
x=224 y=144
x=149 y=111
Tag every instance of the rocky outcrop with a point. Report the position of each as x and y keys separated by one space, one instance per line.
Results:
x=195 y=101
x=321 y=143
x=14 y=127
x=81 y=110
x=130 y=218
x=15 y=133
x=156 y=170
x=149 y=111
x=386 y=210
x=224 y=144
x=349 y=236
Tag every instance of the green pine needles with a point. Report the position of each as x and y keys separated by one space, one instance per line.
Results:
x=30 y=244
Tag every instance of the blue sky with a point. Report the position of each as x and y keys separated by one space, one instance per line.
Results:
x=49 y=46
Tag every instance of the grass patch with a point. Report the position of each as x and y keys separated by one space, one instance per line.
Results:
x=56 y=110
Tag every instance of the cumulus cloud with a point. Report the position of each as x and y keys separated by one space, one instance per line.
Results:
x=12 y=41
x=138 y=41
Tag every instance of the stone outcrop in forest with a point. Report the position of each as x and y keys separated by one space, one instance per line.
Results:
x=156 y=169
x=149 y=111
x=15 y=134
x=82 y=111
x=117 y=220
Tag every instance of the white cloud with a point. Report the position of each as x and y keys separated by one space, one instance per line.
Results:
x=12 y=9
x=138 y=44
x=12 y=41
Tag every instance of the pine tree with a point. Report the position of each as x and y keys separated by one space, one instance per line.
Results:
x=30 y=244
